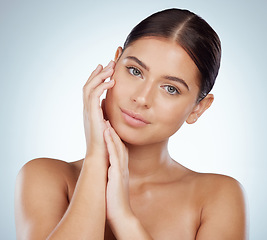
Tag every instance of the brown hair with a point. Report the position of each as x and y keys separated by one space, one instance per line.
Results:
x=192 y=33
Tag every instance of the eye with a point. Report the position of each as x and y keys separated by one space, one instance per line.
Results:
x=171 y=89
x=134 y=71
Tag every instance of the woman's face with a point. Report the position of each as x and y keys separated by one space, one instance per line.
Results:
x=156 y=87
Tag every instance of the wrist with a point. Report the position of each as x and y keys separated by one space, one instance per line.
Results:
x=130 y=228
x=96 y=159
x=96 y=152
x=94 y=167
x=123 y=222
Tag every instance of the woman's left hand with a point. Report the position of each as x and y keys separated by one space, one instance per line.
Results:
x=117 y=195
x=124 y=224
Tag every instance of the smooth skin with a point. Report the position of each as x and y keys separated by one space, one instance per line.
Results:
x=128 y=186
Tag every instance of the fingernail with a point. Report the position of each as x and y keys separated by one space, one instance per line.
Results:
x=108 y=123
x=110 y=63
x=108 y=68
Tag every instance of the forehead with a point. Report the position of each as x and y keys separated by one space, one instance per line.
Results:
x=164 y=57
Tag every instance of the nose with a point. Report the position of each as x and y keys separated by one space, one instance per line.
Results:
x=143 y=95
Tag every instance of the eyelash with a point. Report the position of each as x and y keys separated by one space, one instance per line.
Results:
x=174 y=88
x=130 y=68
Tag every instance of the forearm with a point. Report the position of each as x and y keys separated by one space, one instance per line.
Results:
x=130 y=228
x=120 y=216
x=85 y=216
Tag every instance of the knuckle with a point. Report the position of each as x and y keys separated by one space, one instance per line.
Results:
x=90 y=97
x=93 y=94
x=85 y=89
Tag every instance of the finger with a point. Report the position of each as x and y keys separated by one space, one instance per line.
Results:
x=108 y=124
x=113 y=156
x=94 y=102
x=115 y=137
x=96 y=81
x=98 y=91
x=121 y=148
x=111 y=65
x=98 y=69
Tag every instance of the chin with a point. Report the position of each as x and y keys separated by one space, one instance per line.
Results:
x=127 y=135
x=137 y=141
x=138 y=136
x=134 y=134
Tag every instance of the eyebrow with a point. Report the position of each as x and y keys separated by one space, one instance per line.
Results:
x=176 y=79
x=138 y=61
x=172 y=78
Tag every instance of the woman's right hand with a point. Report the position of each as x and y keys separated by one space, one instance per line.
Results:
x=82 y=217
x=94 y=122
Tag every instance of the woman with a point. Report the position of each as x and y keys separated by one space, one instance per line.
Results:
x=128 y=186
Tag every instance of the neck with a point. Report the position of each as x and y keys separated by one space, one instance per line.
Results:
x=148 y=160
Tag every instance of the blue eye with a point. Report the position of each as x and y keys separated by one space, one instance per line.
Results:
x=171 y=89
x=134 y=71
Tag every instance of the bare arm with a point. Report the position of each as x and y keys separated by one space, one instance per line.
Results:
x=224 y=214
x=42 y=207
x=123 y=222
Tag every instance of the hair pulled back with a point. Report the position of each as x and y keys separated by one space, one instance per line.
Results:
x=192 y=33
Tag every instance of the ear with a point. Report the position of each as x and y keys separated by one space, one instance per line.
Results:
x=200 y=108
x=118 y=54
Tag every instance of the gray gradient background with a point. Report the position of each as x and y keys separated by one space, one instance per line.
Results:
x=48 y=49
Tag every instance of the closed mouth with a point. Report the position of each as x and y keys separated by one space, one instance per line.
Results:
x=136 y=116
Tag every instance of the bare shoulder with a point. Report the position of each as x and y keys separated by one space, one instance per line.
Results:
x=213 y=188
x=223 y=207
x=41 y=172
x=42 y=177
x=220 y=203
x=219 y=190
x=53 y=168
x=209 y=184
x=43 y=165
x=42 y=195
x=218 y=184
x=50 y=170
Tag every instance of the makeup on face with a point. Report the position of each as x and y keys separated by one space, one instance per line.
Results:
x=134 y=119
x=140 y=69
x=155 y=91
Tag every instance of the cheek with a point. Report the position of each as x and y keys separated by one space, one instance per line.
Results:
x=172 y=117
x=121 y=89
x=117 y=92
x=115 y=96
x=170 y=122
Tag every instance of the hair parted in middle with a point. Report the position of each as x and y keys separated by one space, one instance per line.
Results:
x=192 y=33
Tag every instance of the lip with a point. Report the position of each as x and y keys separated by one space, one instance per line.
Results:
x=134 y=119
